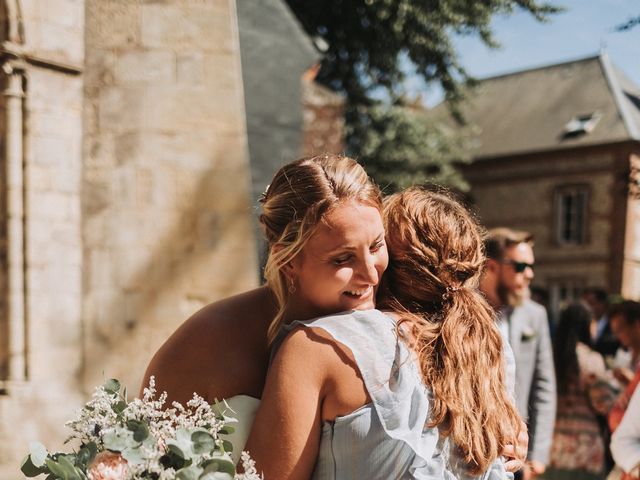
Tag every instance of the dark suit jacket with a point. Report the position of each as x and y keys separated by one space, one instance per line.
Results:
x=606 y=344
x=535 y=375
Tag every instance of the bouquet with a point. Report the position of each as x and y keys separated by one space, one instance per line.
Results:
x=135 y=440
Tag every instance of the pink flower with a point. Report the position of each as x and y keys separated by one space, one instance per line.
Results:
x=108 y=466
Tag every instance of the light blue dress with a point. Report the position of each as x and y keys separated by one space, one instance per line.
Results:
x=387 y=438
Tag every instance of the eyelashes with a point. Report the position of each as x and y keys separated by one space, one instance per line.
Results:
x=344 y=259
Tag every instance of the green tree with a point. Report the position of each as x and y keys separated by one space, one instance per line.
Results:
x=628 y=25
x=371 y=46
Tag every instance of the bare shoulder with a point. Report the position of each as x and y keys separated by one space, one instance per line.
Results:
x=311 y=356
x=219 y=352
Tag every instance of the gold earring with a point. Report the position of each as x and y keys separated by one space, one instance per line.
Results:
x=292 y=287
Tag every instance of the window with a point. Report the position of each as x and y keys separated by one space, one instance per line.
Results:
x=561 y=293
x=581 y=124
x=571 y=208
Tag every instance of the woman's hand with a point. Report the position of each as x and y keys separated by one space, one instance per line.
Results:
x=515 y=455
x=623 y=375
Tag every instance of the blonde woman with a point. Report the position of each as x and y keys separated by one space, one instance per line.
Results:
x=415 y=392
x=343 y=274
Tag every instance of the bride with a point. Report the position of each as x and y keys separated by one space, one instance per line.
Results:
x=344 y=276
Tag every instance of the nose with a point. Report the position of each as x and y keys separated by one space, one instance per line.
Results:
x=528 y=273
x=369 y=271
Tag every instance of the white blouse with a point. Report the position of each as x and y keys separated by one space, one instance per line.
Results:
x=625 y=442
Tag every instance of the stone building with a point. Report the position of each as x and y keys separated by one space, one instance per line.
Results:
x=130 y=133
x=553 y=156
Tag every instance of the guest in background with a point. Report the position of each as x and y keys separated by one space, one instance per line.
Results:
x=625 y=324
x=505 y=283
x=608 y=345
x=578 y=448
x=604 y=341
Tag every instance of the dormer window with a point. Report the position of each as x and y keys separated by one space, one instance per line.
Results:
x=581 y=124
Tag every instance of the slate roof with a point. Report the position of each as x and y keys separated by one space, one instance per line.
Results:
x=527 y=111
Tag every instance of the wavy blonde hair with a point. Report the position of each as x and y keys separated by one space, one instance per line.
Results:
x=436 y=258
x=297 y=200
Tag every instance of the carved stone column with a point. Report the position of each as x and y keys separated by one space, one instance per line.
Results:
x=14 y=175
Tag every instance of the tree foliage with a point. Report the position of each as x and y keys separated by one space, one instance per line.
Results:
x=629 y=24
x=371 y=46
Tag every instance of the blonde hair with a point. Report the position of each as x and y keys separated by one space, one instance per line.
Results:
x=298 y=198
x=435 y=261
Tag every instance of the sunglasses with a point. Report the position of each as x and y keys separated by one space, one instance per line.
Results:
x=519 y=267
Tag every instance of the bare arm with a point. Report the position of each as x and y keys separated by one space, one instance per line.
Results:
x=285 y=437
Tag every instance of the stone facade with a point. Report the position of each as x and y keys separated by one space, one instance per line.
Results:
x=520 y=191
x=166 y=198
x=42 y=162
x=135 y=195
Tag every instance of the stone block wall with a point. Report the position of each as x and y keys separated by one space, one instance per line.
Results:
x=631 y=266
x=519 y=193
x=166 y=185
x=50 y=56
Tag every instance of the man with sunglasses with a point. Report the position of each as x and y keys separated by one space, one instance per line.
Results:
x=505 y=283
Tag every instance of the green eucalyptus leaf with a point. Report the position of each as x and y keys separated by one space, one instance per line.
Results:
x=175 y=449
x=202 y=442
x=69 y=468
x=216 y=476
x=118 y=439
x=86 y=454
x=227 y=430
x=55 y=468
x=140 y=430
x=120 y=406
x=29 y=469
x=192 y=472
x=134 y=456
x=227 y=446
x=38 y=454
x=181 y=445
x=222 y=463
x=112 y=386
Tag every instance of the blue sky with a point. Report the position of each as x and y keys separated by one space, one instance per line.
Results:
x=582 y=30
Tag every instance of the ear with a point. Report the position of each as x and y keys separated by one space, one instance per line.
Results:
x=491 y=266
x=288 y=269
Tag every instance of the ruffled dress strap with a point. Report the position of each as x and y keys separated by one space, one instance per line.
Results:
x=389 y=371
x=401 y=401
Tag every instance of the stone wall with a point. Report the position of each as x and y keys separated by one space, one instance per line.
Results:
x=631 y=265
x=48 y=53
x=166 y=212
x=519 y=193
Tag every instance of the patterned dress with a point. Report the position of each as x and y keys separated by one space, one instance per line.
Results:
x=578 y=448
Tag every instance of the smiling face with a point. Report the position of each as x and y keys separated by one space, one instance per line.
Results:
x=340 y=266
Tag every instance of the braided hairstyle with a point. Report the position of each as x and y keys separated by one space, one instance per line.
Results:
x=436 y=259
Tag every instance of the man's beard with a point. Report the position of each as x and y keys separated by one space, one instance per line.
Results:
x=511 y=298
